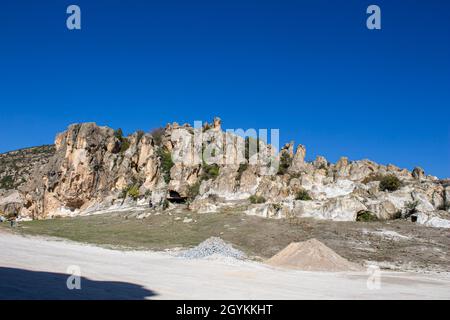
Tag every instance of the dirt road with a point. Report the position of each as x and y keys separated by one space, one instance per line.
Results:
x=36 y=268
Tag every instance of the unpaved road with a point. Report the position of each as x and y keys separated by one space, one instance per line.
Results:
x=36 y=268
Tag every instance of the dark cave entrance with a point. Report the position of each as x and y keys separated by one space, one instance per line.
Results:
x=175 y=197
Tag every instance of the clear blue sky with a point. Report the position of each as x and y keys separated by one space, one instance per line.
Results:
x=310 y=68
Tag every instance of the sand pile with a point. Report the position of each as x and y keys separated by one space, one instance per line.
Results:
x=212 y=247
x=311 y=255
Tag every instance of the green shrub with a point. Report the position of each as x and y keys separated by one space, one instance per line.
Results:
x=390 y=183
x=302 y=195
x=397 y=215
x=131 y=190
x=124 y=143
x=165 y=204
x=209 y=171
x=411 y=208
x=366 y=216
x=118 y=134
x=257 y=199
x=165 y=157
x=285 y=163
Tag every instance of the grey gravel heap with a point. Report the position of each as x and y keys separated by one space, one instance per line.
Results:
x=210 y=247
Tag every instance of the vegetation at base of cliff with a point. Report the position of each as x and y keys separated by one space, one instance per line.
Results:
x=285 y=163
x=366 y=216
x=302 y=195
x=390 y=183
x=411 y=208
x=165 y=157
x=157 y=135
x=254 y=199
x=131 y=191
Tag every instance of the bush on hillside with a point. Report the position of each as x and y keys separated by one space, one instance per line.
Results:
x=302 y=195
x=390 y=183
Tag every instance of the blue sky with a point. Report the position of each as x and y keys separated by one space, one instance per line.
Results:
x=310 y=68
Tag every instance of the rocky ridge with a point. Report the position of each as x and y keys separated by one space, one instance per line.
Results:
x=94 y=168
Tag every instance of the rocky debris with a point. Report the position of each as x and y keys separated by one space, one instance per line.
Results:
x=11 y=202
x=213 y=246
x=265 y=210
x=311 y=255
x=439 y=219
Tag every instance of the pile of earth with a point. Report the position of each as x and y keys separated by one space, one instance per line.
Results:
x=211 y=247
x=311 y=255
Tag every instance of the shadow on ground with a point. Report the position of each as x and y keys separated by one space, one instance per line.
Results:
x=19 y=284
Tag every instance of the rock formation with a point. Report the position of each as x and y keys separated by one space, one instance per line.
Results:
x=95 y=168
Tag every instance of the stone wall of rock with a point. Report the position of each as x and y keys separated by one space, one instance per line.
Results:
x=94 y=167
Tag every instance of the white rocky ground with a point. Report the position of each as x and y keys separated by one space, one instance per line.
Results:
x=33 y=267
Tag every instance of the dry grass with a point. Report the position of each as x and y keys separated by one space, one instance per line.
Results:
x=356 y=241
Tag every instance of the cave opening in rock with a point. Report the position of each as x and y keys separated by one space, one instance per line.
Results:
x=175 y=197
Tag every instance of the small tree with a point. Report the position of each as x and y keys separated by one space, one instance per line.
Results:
x=366 y=216
x=118 y=133
x=285 y=163
x=166 y=162
x=124 y=143
x=257 y=199
x=303 y=195
x=133 y=192
x=390 y=183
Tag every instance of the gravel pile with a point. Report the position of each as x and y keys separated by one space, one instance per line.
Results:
x=212 y=247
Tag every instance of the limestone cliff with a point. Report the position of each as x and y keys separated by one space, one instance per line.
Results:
x=97 y=167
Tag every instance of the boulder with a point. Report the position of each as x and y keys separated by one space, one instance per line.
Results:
x=418 y=173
